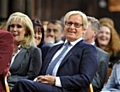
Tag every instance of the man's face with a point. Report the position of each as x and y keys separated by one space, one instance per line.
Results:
x=73 y=33
x=54 y=31
x=89 y=33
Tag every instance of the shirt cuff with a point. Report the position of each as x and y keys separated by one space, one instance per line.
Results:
x=58 y=82
x=35 y=79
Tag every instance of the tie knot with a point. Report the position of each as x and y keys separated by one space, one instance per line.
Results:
x=67 y=43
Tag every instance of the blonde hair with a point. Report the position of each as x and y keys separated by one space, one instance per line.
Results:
x=84 y=17
x=29 y=37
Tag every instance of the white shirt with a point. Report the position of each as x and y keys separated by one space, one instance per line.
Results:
x=14 y=56
x=93 y=43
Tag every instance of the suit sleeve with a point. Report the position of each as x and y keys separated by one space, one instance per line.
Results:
x=35 y=63
x=100 y=76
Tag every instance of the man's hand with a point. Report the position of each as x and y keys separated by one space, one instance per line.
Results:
x=47 y=79
x=48 y=39
x=8 y=74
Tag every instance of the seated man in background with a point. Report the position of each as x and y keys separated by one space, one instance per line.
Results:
x=54 y=32
x=6 y=50
x=103 y=57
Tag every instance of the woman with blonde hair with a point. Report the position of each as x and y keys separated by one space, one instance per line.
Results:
x=109 y=40
x=27 y=59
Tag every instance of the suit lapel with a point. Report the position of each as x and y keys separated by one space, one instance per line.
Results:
x=19 y=58
x=74 y=49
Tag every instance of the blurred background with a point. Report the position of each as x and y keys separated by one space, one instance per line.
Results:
x=55 y=9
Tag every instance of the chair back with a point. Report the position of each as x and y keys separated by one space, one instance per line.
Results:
x=90 y=89
x=6 y=84
x=108 y=74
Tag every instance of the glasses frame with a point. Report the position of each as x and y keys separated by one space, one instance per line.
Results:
x=76 y=25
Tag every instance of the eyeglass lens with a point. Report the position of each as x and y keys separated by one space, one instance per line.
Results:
x=77 y=25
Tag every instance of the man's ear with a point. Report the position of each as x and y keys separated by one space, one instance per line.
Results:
x=84 y=31
x=95 y=32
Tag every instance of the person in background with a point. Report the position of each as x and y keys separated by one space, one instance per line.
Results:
x=113 y=83
x=39 y=37
x=68 y=67
x=26 y=61
x=108 y=40
x=106 y=20
x=44 y=23
x=6 y=50
x=103 y=57
x=54 y=32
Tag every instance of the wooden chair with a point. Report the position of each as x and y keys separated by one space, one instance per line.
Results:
x=108 y=74
x=6 y=84
x=90 y=89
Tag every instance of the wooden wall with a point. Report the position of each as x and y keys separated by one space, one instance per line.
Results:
x=55 y=9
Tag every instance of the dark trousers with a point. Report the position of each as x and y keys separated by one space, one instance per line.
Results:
x=25 y=85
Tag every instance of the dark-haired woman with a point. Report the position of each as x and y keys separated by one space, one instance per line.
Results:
x=39 y=37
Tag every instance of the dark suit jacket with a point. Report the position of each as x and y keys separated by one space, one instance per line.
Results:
x=77 y=68
x=26 y=65
x=114 y=59
x=44 y=48
x=101 y=74
x=6 y=49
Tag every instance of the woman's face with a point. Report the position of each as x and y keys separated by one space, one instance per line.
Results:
x=104 y=36
x=38 y=35
x=18 y=30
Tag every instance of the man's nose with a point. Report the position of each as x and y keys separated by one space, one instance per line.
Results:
x=72 y=26
x=52 y=32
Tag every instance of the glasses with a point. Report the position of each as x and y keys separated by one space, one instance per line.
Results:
x=77 y=25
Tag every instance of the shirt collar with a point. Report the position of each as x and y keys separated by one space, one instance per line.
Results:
x=93 y=43
x=19 y=47
x=74 y=42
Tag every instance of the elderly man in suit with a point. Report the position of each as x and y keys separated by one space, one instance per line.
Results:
x=6 y=49
x=103 y=57
x=76 y=66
